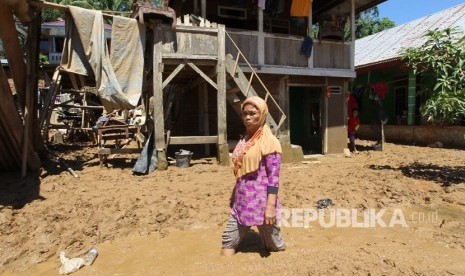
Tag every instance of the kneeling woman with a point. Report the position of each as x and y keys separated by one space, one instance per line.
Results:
x=254 y=201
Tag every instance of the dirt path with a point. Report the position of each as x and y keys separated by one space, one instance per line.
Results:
x=171 y=221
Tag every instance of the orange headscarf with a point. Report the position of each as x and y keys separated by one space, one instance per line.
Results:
x=248 y=153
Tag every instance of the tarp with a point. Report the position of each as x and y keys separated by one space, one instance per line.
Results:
x=119 y=76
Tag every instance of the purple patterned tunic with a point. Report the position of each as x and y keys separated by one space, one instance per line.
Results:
x=251 y=191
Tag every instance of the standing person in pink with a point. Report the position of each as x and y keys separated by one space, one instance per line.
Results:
x=254 y=201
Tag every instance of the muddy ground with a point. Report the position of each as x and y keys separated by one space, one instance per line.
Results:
x=170 y=222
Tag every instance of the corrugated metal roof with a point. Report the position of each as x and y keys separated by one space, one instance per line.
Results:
x=387 y=45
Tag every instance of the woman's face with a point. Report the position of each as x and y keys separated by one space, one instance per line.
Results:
x=250 y=118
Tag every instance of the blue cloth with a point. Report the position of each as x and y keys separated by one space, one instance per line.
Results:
x=148 y=159
x=307 y=46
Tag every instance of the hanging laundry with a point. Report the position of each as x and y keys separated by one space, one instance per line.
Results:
x=301 y=7
x=118 y=78
x=380 y=88
x=306 y=47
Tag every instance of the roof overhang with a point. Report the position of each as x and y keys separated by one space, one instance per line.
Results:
x=340 y=7
x=375 y=66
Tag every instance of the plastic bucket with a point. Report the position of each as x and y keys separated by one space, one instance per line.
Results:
x=183 y=159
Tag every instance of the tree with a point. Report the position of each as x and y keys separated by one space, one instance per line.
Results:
x=441 y=59
x=368 y=23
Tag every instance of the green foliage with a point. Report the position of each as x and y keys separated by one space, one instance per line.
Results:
x=49 y=15
x=368 y=23
x=43 y=59
x=445 y=108
x=442 y=58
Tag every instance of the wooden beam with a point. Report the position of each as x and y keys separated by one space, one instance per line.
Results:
x=158 y=114
x=204 y=8
x=73 y=79
x=173 y=74
x=260 y=38
x=309 y=32
x=197 y=69
x=193 y=140
x=201 y=80
x=223 y=148
x=80 y=107
x=108 y=151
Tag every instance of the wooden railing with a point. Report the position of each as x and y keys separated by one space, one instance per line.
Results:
x=284 y=50
x=240 y=57
x=54 y=58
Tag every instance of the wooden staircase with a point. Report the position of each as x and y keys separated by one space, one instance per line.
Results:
x=239 y=87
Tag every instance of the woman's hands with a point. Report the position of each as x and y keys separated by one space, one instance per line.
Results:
x=270 y=214
x=270 y=209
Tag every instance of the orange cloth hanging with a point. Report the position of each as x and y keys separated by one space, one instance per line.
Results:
x=301 y=7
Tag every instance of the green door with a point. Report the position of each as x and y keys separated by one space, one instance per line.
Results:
x=305 y=118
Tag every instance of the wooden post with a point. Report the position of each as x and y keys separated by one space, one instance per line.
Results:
x=412 y=93
x=158 y=114
x=310 y=29
x=261 y=38
x=204 y=9
x=32 y=64
x=284 y=103
x=223 y=149
x=352 y=34
x=203 y=113
x=196 y=7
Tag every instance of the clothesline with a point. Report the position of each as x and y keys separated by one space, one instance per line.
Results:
x=64 y=8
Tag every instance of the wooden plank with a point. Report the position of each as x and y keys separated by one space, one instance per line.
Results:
x=48 y=98
x=203 y=44
x=73 y=79
x=45 y=121
x=79 y=106
x=197 y=69
x=317 y=72
x=201 y=80
x=109 y=151
x=188 y=56
x=193 y=140
x=180 y=59
x=82 y=81
x=173 y=74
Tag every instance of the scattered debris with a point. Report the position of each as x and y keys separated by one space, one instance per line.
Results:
x=323 y=203
x=71 y=265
